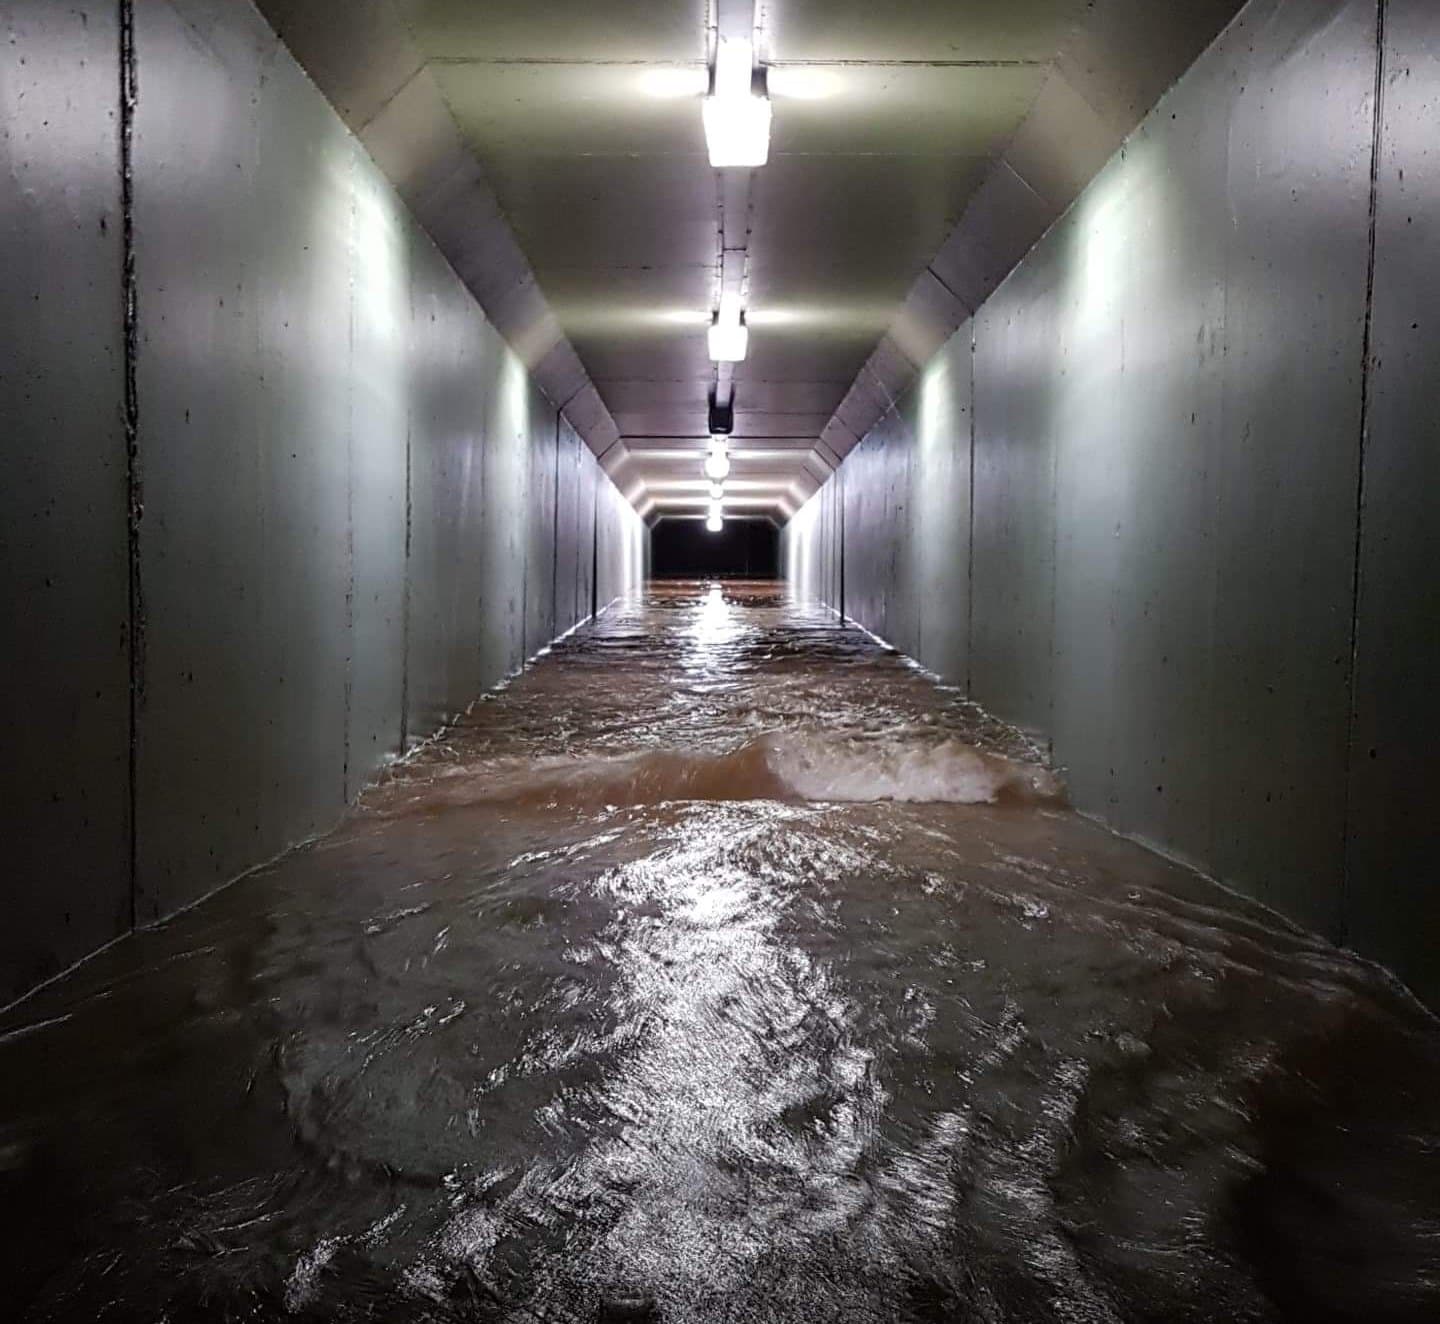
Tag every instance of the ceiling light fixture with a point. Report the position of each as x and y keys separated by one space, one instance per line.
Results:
x=716 y=520
x=717 y=464
x=737 y=121
x=722 y=416
x=729 y=336
x=717 y=491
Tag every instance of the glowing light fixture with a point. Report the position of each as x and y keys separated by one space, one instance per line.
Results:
x=734 y=69
x=737 y=122
x=716 y=519
x=717 y=491
x=717 y=463
x=728 y=344
x=729 y=336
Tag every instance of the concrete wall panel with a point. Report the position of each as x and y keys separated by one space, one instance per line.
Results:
x=800 y=552
x=63 y=561
x=567 y=526
x=1298 y=190
x=938 y=412
x=1135 y=288
x=863 y=510
x=450 y=386
x=379 y=432
x=902 y=599
x=1013 y=568
x=518 y=419
x=621 y=547
x=591 y=479
x=607 y=535
x=243 y=224
x=542 y=620
x=1394 y=839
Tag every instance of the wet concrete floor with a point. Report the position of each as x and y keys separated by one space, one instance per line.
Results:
x=721 y=968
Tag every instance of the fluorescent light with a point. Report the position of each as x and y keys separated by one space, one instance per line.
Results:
x=734 y=68
x=715 y=523
x=729 y=336
x=737 y=122
x=717 y=466
x=737 y=132
x=717 y=491
x=729 y=344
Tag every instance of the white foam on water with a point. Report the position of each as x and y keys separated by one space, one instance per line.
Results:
x=905 y=767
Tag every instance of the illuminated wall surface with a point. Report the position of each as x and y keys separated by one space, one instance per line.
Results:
x=358 y=511
x=1124 y=505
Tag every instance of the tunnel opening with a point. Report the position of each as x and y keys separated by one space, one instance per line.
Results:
x=684 y=548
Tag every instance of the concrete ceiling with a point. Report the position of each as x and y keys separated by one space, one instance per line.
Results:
x=554 y=149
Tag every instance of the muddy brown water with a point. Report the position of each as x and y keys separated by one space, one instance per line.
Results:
x=723 y=967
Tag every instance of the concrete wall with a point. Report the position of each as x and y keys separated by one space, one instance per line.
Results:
x=1160 y=439
x=358 y=510
x=621 y=551
x=811 y=545
x=64 y=571
x=1392 y=890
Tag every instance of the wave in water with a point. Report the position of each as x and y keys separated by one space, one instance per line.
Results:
x=905 y=766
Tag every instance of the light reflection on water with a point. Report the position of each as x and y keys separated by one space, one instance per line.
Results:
x=626 y=988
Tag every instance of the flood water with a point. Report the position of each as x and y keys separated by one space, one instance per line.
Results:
x=723 y=967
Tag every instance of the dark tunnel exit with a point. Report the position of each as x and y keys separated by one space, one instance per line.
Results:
x=743 y=548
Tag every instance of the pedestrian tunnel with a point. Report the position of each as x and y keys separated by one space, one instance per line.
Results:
x=712 y=661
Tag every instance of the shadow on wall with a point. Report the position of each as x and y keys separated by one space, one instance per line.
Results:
x=744 y=548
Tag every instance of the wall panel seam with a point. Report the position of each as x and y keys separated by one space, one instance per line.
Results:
x=352 y=262
x=970 y=539
x=1377 y=144
x=134 y=505
x=405 y=598
x=595 y=550
x=555 y=539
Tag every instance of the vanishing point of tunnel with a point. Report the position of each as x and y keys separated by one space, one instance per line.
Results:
x=720 y=661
